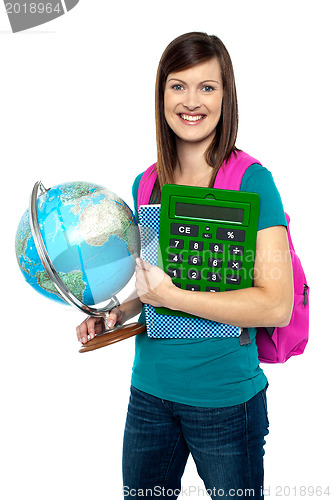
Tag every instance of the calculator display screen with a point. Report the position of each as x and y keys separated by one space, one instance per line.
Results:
x=209 y=212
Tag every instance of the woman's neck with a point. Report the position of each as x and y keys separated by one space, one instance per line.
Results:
x=191 y=168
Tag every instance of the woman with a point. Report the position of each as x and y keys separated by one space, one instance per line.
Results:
x=206 y=397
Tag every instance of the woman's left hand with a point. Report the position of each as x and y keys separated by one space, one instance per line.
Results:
x=153 y=286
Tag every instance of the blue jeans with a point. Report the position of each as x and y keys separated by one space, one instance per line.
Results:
x=227 y=445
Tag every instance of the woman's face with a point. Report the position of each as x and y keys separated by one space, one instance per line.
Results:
x=192 y=101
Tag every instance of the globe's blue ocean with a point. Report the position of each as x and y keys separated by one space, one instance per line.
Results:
x=91 y=237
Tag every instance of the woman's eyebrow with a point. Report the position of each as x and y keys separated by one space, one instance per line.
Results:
x=176 y=80
x=200 y=83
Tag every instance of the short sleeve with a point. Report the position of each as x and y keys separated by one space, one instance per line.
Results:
x=135 y=192
x=258 y=179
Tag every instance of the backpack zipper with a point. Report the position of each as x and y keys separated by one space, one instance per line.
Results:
x=305 y=294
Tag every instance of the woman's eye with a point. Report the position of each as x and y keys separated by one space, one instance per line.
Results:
x=177 y=87
x=208 y=88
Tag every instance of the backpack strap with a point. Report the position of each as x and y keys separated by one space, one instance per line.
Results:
x=146 y=185
x=231 y=172
x=230 y=176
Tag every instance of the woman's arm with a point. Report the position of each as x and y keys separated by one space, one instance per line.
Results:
x=92 y=326
x=125 y=311
x=268 y=303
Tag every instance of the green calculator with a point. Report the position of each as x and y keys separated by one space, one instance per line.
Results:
x=207 y=238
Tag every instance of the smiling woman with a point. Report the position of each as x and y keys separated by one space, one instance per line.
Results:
x=206 y=397
x=199 y=68
x=193 y=101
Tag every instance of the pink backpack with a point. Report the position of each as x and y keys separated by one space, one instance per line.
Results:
x=275 y=345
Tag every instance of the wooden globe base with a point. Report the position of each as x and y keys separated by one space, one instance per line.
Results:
x=111 y=336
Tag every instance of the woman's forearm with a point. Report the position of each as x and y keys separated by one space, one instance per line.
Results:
x=130 y=307
x=268 y=303
x=248 y=307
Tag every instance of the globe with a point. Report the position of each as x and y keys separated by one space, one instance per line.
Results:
x=91 y=238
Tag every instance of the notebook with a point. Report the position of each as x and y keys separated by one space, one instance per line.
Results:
x=165 y=326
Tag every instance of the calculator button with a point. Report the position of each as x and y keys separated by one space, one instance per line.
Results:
x=212 y=289
x=177 y=284
x=193 y=274
x=193 y=288
x=233 y=279
x=235 y=265
x=184 y=229
x=230 y=234
x=174 y=243
x=174 y=273
x=195 y=260
x=235 y=250
x=216 y=247
x=196 y=245
x=175 y=257
x=216 y=277
x=207 y=236
x=215 y=262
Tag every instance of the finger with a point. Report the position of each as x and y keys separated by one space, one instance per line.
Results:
x=143 y=264
x=139 y=263
x=78 y=332
x=81 y=332
x=112 y=318
x=88 y=329
x=81 y=329
x=91 y=327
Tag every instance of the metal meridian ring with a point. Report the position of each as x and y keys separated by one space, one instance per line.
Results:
x=64 y=291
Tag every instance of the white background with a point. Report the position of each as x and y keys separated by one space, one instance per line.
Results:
x=77 y=103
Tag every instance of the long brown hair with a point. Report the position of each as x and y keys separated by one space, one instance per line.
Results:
x=183 y=53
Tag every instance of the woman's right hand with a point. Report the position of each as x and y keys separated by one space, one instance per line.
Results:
x=92 y=325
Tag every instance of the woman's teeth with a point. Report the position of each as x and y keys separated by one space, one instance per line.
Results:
x=190 y=118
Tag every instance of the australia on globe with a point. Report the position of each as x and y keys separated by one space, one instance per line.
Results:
x=91 y=238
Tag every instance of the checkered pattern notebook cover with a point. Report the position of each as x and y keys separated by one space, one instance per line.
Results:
x=161 y=325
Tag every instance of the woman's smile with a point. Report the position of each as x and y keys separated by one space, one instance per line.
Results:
x=191 y=119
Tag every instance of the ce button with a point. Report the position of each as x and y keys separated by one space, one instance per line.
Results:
x=184 y=229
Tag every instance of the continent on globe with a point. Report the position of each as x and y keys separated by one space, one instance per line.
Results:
x=91 y=237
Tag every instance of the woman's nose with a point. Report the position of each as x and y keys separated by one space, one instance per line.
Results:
x=191 y=100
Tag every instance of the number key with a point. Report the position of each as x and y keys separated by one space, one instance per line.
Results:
x=215 y=262
x=174 y=243
x=216 y=277
x=175 y=257
x=174 y=273
x=193 y=274
x=195 y=260
x=216 y=247
x=196 y=245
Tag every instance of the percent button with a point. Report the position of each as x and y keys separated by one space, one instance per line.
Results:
x=230 y=234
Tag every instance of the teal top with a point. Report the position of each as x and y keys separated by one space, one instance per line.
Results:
x=215 y=372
